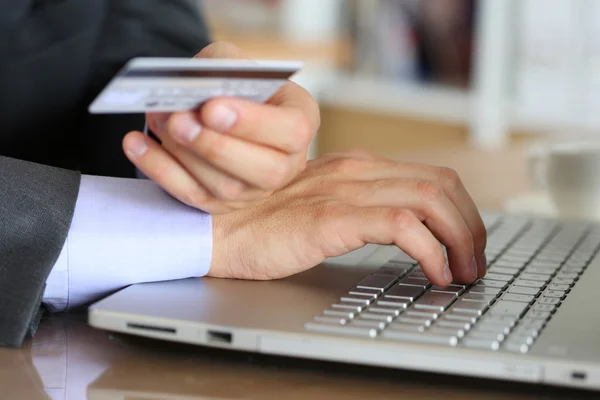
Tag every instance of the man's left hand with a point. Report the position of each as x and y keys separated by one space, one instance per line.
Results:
x=231 y=152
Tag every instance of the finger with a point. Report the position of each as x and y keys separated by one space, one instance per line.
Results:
x=432 y=205
x=222 y=50
x=387 y=225
x=450 y=182
x=250 y=163
x=158 y=121
x=157 y=164
x=284 y=128
x=453 y=187
x=219 y=184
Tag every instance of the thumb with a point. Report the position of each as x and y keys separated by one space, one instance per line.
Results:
x=222 y=50
x=226 y=50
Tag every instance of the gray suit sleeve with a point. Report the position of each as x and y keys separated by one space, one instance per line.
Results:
x=36 y=208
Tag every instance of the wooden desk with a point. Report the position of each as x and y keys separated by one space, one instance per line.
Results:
x=68 y=360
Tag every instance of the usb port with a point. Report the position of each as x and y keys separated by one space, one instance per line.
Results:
x=219 y=337
x=578 y=375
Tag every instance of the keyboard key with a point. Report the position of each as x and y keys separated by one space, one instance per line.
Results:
x=459 y=317
x=528 y=283
x=477 y=333
x=440 y=330
x=503 y=270
x=425 y=321
x=469 y=307
x=368 y=323
x=409 y=293
x=485 y=344
x=356 y=299
x=538 y=270
x=559 y=294
x=523 y=290
x=372 y=293
x=332 y=320
x=515 y=346
x=548 y=300
x=378 y=282
x=338 y=313
x=486 y=326
x=535 y=277
x=523 y=298
x=421 y=283
x=563 y=281
x=456 y=289
x=406 y=328
x=377 y=316
x=478 y=297
x=427 y=314
x=465 y=326
x=537 y=315
x=492 y=283
x=421 y=337
x=398 y=303
x=387 y=310
x=485 y=290
x=498 y=277
x=341 y=329
x=392 y=270
x=348 y=306
x=567 y=275
x=543 y=307
x=554 y=286
x=499 y=320
x=525 y=339
x=436 y=301
x=508 y=308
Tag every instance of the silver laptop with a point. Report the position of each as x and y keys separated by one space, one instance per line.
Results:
x=534 y=317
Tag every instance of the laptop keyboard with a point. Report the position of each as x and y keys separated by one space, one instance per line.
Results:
x=532 y=266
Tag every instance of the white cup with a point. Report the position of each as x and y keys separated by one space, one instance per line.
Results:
x=570 y=174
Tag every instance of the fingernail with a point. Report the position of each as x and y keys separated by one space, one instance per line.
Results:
x=137 y=147
x=186 y=128
x=482 y=263
x=161 y=123
x=222 y=118
x=474 y=268
x=447 y=274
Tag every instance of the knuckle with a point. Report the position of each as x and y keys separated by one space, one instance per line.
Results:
x=330 y=215
x=448 y=178
x=212 y=146
x=230 y=190
x=196 y=198
x=304 y=132
x=277 y=175
x=429 y=191
x=403 y=218
x=346 y=165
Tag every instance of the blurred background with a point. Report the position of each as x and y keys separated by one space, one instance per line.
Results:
x=395 y=75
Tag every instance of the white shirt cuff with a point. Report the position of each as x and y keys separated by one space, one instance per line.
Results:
x=126 y=231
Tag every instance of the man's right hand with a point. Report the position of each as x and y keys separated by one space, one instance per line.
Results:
x=342 y=202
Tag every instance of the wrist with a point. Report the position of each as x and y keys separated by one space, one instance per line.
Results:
x=219 y=265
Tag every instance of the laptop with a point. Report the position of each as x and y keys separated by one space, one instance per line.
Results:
x=533 y=318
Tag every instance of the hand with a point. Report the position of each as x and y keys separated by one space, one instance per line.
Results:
x=340 y=203
x=231 y=152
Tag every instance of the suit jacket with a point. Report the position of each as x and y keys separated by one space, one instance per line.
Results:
x=55 y=57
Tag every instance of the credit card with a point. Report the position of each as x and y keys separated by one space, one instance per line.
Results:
x=180 y=84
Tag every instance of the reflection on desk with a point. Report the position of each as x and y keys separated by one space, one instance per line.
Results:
x=68 y=360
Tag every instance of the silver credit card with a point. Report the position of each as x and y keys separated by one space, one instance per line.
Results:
x=178 y=84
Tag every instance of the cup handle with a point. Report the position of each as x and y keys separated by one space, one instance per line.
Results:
x=538 y=170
